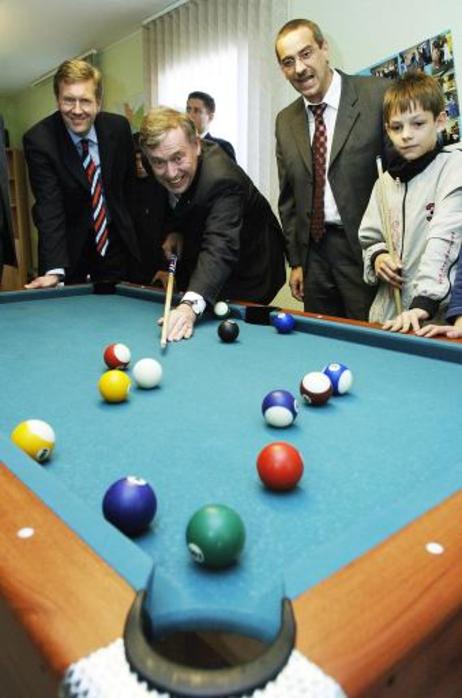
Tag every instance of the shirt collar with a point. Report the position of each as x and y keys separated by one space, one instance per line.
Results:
x=91 y=136
x=173 y=199
x=332 y=96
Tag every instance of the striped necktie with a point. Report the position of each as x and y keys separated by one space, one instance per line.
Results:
x=99 y=211
x=319 y=150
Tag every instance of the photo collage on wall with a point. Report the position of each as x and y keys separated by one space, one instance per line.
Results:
x=435 y=57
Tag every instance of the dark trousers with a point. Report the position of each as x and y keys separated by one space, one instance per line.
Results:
x=333 y=282
x=113 y=267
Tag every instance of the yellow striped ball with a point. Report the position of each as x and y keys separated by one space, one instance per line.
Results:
x=34 y=437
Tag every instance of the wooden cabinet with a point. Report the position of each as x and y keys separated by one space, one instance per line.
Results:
x=15 y=277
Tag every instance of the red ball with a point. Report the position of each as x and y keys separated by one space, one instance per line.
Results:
x=316 y=388
x=117 y=356
x=280 y=466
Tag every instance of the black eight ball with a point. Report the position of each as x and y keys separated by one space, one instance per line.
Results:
x=228 y=330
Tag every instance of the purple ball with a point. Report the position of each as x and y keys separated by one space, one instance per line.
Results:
x=130 y=504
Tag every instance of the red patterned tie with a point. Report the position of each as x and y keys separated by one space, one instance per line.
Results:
x=319 y=150
x=97 y=201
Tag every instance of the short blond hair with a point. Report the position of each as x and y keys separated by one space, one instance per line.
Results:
x=413 y=88
x=161 y=120
x=76 y=70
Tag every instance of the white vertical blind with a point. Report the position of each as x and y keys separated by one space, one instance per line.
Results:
x=225 y=48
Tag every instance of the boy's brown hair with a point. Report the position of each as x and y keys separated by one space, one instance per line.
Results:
x=413 y=88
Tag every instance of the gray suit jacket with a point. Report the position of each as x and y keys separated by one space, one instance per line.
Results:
x=7 y=253
x=358 y=139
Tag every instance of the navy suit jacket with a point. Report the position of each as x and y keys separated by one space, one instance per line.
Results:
x=7 y=252
x=62 y=211
x=233 y=243
x=224 y=145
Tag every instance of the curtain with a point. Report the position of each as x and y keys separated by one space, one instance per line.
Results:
x=225 y=48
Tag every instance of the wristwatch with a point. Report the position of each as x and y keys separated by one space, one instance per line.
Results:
x=194 y=305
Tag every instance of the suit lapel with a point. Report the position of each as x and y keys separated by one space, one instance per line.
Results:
x=69 y=154
x=348 y=112
x=301 y=134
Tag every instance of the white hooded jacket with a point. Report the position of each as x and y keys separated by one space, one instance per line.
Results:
x=426 y=228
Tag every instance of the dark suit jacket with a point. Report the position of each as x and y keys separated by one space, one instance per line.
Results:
x=225 y=145
x=7 y=253
x=358 y=139
x=62 y=210
x=149 y=215
x=233 y=244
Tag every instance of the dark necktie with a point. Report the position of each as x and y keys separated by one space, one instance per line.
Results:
x=99 y=211
x=319 y=150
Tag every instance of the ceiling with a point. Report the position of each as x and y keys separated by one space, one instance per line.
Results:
x=37 y=35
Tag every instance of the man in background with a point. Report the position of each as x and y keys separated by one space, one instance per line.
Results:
x=81 y=167
x=7 y=253
x=201 y=108
x=327 y=144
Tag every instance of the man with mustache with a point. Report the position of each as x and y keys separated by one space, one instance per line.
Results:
x=327 y=144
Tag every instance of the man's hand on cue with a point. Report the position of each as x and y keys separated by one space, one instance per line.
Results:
x=181 y=323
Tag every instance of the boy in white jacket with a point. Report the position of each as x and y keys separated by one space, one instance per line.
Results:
x=423 y=194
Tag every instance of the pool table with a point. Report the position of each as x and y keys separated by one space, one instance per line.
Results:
x=366 y=551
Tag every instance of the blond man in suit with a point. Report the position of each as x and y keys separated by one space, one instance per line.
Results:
x=228 y=238
x=63 y=211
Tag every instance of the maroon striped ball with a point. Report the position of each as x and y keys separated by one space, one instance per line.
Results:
x=316 y=388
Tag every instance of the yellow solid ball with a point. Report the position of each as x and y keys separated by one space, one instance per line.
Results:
x=114 y=386
x=34 y=437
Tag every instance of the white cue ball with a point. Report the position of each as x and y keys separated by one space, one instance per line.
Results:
x=221 y=309
x=147 y=373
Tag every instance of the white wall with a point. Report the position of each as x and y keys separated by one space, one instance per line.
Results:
x=282 y=93
x=362 y=32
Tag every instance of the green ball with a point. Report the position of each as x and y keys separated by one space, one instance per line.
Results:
x=215 y=536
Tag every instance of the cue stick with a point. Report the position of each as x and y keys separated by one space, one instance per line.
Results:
x=385 y=216
x=168 y=299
